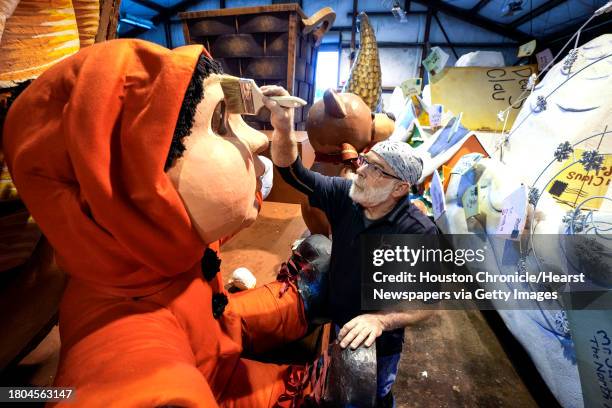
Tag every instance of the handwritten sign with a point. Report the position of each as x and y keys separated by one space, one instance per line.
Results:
x=592 y=336
x=437 y=195
x=575 y=184
x=514 y=214
x=435 y=61
x=480 y=93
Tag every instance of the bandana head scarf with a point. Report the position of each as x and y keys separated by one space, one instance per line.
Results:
x=401 y=158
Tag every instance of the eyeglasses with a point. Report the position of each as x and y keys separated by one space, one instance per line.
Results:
x=363 y=161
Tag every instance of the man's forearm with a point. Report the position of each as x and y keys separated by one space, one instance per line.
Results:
x=284 y=148
x=397 y=320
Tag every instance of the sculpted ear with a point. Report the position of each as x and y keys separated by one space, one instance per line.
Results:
x=334 y=106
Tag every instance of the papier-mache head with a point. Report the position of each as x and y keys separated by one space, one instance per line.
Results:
x=125 y=157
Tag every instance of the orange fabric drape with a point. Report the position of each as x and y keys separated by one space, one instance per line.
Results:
x=168 y=349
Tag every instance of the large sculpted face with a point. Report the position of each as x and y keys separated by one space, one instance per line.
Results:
x=218 y=175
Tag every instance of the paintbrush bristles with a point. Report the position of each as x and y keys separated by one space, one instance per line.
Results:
x=243 y=96
x=246 y=90
x=234 y=100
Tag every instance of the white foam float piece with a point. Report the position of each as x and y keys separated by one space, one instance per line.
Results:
x=397 y=102
x=481 y=59
x=533 y=328
x=578 y=103
x=243 y=279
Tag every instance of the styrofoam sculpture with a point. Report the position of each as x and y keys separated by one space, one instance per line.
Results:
x=569 y=104
x=396 y=102
x=531 y=327
x=569 y=109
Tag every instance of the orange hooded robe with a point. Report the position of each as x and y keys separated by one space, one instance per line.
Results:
x=86 y=144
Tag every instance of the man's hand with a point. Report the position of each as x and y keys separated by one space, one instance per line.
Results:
x=281 y=118
x=366 y=327
x=284 y=146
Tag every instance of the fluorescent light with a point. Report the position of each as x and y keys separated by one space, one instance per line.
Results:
x=136 y=21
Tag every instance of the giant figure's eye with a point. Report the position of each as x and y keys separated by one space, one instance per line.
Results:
x=219 y=119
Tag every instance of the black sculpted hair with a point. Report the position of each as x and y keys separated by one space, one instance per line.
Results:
x=193 y=96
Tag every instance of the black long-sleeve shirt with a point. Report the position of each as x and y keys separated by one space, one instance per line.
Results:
x=348 y=222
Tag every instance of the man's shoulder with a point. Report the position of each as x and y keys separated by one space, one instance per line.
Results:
x=334 y=182
x=415 y=222
x=332 y=191
x=339 y=185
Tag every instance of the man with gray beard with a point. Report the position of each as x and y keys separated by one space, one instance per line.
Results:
x=375 y=201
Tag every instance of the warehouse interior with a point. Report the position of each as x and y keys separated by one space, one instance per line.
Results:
x=506 y=105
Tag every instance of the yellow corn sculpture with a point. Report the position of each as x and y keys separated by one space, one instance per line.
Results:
x=7 y=8
x=365 y=77
x=87 y=14
x=40 y=33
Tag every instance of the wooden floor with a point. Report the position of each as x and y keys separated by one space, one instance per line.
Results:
x=455 y=360
x=266 y=244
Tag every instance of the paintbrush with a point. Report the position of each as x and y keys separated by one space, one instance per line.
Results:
x=243 y=96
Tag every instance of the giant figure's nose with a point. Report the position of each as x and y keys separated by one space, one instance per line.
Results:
x=256 y=141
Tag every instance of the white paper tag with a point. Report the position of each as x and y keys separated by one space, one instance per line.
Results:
x=436 y=191
x=411 y=87
x=435 y=61
x=435 y=115
x=526 y=49
x=470 y=202
x=514 y=212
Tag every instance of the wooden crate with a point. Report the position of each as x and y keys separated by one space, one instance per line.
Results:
x=274 y=45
